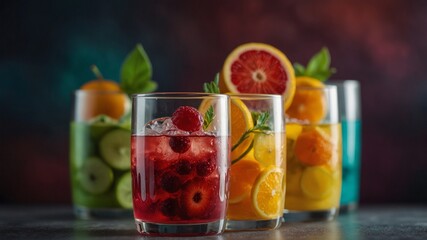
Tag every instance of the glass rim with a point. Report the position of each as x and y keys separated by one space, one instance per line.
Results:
x=178 y=95
x=255 y=95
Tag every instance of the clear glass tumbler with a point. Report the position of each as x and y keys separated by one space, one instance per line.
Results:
x=180 y=163
x=100 y=155
x=313 y=134
x=350 y=114
x=258 y=166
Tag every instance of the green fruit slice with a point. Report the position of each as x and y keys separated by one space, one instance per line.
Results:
x=81 y=147
x=115 y=149
x=124 y=190
x=316 y=182
x=101 y=125
x=95 y=176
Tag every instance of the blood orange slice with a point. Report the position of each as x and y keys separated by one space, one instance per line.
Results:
x=258 y=68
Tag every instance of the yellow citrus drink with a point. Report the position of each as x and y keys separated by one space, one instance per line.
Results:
x=314 y=167
x=257 y=173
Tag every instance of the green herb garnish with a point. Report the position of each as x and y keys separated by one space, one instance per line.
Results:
x=261 y=126
x=318 y=67
x=136 y=72
x=211 y=87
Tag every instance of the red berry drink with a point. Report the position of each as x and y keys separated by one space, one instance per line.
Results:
x=176 y=186
x=179 y=175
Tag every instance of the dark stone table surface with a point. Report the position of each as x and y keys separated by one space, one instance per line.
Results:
x=368 y=222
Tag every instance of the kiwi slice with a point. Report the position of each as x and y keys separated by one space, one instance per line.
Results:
x=95 y=176
x=114 y=148
x=124 y=190
x=81 y=147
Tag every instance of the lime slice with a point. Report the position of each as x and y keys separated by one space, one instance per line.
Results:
x=115 y=148
x=95 y=176
x=316 y=182
x=101 y=125
x=124 y=190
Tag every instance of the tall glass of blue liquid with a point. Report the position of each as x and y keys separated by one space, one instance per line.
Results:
x=350 y=111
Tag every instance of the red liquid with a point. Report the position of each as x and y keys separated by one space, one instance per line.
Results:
x=183 y=180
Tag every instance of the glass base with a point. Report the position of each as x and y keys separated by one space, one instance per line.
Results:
x=108 y=213
x=157 y=229
x=247 y=225
x=310 y=216
x=350 y=207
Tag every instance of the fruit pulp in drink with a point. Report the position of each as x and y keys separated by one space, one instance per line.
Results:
x=257 y=184
x=100 y=179
x=179 y=179
x=350 y=162
x=314 y=167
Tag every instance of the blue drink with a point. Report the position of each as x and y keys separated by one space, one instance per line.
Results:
x=350 y=162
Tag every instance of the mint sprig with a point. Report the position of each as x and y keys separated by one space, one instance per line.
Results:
x=261 y=126
x=318 y=67
x=136 y=72
x=211 y=87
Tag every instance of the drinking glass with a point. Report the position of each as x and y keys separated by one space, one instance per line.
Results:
x=350 y=114
x=257 y=185
x=313 y=135
x=180 y=163
x=100 y=154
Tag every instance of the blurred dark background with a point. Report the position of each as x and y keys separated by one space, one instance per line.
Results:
x=46 y=48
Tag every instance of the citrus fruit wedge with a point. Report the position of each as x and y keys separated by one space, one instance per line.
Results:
x=265 y=149
x=258 y=68
x=242 y=177
x=316 y=182
x=267 y=193
x=308 y=104
x=241 y=121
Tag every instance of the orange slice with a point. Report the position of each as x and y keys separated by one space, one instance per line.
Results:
x=241 y=121
x=308 y=104
x=313 y=147
x=242 y=177
x=258 y=68
x=268 y=193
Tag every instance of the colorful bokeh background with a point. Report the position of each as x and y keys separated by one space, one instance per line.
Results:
x=46 y=48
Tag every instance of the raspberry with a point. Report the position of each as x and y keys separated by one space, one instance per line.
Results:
x=183 y=167
x=170 y=182
x=188 y=119
x=180 y=144
x=205 y=168
x=169 y=207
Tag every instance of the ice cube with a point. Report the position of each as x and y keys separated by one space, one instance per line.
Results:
x=159 y=126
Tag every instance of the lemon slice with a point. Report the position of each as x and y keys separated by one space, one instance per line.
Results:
x=293 y=131
x=241 y=121
x=268 y=194
x=316 y=182
x=242 y=177
x=265 y=149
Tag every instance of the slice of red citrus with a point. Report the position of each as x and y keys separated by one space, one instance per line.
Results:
x=258 y=68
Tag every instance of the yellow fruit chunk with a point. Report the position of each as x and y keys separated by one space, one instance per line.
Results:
x=241 y=121
x=265 y=149
x=258 y=68
x=242 y=176
x=292 y=131
x=313 y=147
x=317 y=182
x=309 y=102
x=268 y=193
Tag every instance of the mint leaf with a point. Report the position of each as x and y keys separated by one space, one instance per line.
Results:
x=318 y=67
x=136 y=72
x=211 y=87
x=299 y=69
